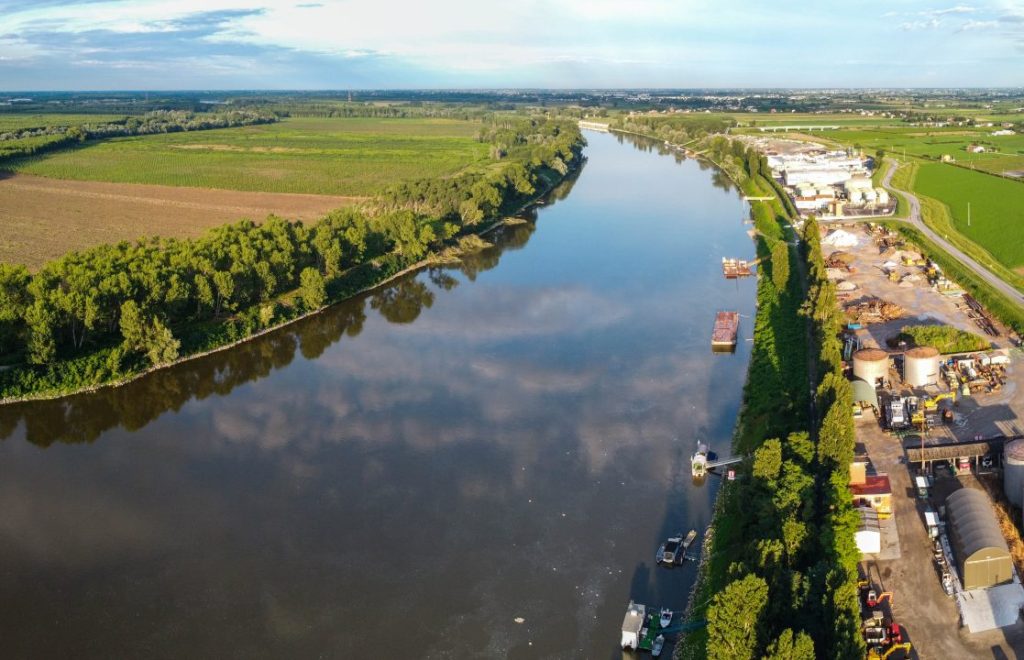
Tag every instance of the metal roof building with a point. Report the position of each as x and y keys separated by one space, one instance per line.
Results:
x=982 y=556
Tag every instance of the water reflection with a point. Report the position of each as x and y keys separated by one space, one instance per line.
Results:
x=84 y=418
x=517 y=450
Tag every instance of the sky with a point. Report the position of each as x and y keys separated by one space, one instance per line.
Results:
x=365 y=44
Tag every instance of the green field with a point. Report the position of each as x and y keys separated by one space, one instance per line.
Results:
x=15 y=121
x=302 y=155
x=1003 y=153
x=997 y=207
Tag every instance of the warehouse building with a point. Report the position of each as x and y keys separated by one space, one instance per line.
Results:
x=982 y=556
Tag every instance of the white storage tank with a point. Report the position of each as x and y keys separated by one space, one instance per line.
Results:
x=871 y=365
x=1013 y=471
x=921 y=366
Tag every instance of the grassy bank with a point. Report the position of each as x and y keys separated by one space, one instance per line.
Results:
x=780 y=576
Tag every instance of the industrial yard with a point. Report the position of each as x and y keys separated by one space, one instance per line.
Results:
x=941 y=559
x=826 y=182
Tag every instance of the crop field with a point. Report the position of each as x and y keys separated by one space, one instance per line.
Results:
x=14 y=121
x=997 y=208
x=329 y=156
x=1003 y=155
x=811 y=119
x=44 y=218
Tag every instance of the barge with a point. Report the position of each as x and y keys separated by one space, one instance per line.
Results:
x=727 y=326
x=734 y=268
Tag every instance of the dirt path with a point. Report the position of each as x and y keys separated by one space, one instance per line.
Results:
x=915 y=220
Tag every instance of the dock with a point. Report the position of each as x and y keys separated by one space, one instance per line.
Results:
x=727 y=326
x=733 y=268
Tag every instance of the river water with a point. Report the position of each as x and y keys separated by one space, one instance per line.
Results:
x=409 y=473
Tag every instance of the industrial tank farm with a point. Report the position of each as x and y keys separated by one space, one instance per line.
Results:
x=871 y=365
x=1013 y=471
x=921 y=366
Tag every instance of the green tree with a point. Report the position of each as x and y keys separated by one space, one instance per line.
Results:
x=41 y=320
x=14 y=300
x=790 y=646
x=147 y=334
x=312 y=288
x=768 y=461
x=735 y=619
x=780 y=265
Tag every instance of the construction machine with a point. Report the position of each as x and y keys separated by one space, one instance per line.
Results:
x=874 y=600
x=930 y=405
x=876 y=653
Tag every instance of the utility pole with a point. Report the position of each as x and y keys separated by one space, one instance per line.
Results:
x=968 y=214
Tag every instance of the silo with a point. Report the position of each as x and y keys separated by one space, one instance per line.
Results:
x=871 y=365
x=921 y=366
x=1013 y=471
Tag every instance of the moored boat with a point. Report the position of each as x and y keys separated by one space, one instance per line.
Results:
x=666 y=617
x=727 y=325
x=690 y=538
x=658 y=646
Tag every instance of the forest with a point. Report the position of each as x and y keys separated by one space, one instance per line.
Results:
x=102 y=314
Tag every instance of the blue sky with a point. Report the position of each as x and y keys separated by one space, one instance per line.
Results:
x=342 y=44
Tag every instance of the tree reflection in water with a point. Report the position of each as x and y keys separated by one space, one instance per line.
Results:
x=84 y=418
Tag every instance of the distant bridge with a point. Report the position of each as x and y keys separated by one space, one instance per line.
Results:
x=593 y=125
x=784 y=129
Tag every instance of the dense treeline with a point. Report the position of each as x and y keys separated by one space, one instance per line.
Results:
x=677 y=128
x=374 y=110
x=525 y=148
x=103 y=313
x=33 y=141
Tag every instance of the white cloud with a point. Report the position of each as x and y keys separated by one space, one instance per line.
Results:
x=959 y=9
x=978 y=25
x=929 y=24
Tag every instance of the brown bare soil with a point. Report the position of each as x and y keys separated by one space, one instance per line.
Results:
x=41 y=219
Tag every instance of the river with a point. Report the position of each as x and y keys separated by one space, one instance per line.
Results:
x=411 y=472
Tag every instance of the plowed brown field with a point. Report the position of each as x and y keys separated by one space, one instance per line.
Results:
x=41 y=219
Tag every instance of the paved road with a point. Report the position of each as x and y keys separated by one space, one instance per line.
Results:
x=981 y=271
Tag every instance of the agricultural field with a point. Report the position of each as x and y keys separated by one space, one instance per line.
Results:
x=45 y=218
x=327 y=156
x=811 y=119
x=16 y=121
x=997 y=208
x=1003 y=155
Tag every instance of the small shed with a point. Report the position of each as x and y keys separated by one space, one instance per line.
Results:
x=982 y=555
x=868 y=535
x=865 y=393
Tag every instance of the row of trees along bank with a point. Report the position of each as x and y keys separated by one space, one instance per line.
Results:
x=110 y=312
x=780 y=579
x=31 y=141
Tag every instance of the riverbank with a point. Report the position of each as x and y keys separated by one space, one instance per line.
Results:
x=232 y=331
x=786 y=519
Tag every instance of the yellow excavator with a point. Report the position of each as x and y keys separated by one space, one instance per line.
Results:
x=876 y=654
x=928 y=405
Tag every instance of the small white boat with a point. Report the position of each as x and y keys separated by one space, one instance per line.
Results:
x=690 y=538
x=658 y=646
x=666 y=617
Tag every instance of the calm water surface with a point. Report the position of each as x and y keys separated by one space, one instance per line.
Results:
x=408 y=473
